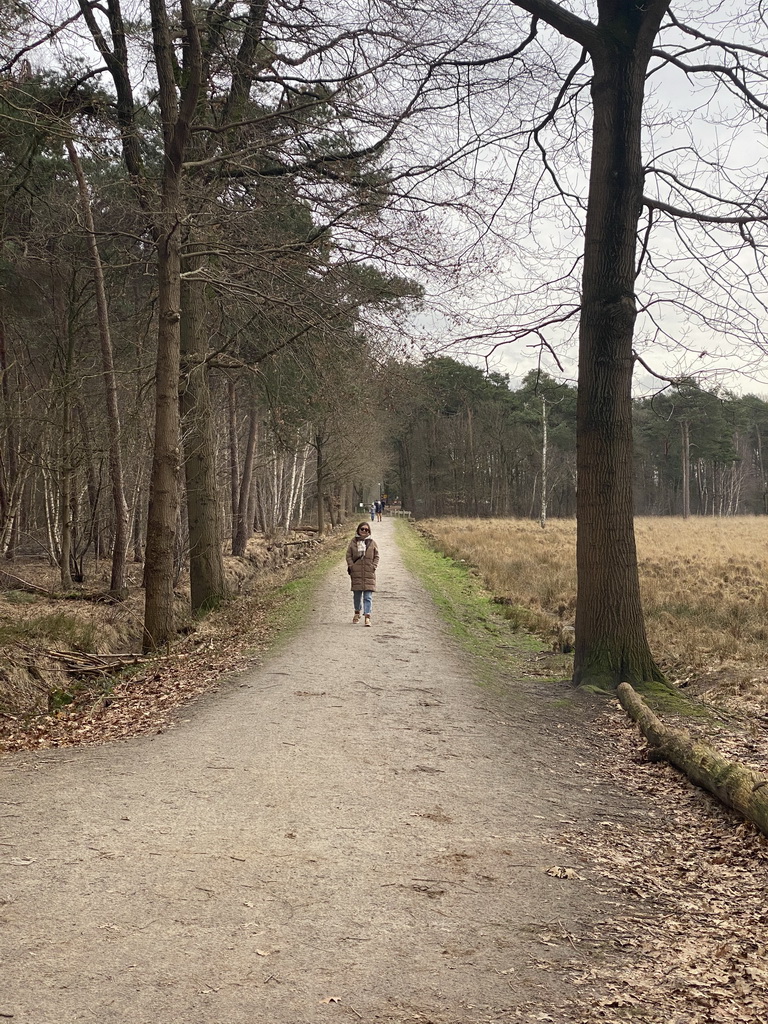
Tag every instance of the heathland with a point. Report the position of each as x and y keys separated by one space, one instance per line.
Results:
x=704 y=585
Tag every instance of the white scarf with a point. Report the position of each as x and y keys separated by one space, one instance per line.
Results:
x=360 y=548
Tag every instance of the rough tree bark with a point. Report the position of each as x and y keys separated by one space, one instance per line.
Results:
x=206 y=562
x=611 y=644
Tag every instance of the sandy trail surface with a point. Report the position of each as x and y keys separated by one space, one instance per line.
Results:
x=356 y=830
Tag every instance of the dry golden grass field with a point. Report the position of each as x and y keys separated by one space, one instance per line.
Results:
x=704 y=585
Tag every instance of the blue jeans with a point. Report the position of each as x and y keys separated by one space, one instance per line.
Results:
x=364 y=598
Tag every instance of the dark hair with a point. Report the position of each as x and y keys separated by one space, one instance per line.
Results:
x=360 y=525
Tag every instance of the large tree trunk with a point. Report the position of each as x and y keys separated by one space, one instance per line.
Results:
x=611 y=643
x=162 y=514
x=206 y=562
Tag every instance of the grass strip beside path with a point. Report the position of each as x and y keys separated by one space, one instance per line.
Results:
x=468 y=608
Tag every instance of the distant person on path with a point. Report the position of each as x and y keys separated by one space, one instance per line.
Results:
x=378 y=506
x=373 y=510
x=362 y=559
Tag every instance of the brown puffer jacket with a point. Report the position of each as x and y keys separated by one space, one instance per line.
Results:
x=362 y=571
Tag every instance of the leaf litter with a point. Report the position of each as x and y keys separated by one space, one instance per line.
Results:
x=693 y=948
x=130 y=703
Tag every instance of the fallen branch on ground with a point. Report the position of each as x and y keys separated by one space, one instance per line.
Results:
x=81 y=663
x=740 y=788
x=16 y=583
x=10 y=582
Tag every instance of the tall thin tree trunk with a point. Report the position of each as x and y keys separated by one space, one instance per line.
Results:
x=66 y=332
x=292 y=490
x=14 y=499
x=544 y=453
x=137 y=536
x=686 y=467
x=303 y=481
x=763 y=481
x=13 y=504
x=92 y=483
x=320 y=470
x=473 y=501
x=234 y=453
x=120 y=505
x=405 y=470
x=244 y=519
x=162 y=516
x=52 y=517
x=206 y=560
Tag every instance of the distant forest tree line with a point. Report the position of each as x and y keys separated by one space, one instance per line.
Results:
x=311 y=435
x=466 y=443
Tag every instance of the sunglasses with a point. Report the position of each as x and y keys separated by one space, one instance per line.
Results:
x=364 y=529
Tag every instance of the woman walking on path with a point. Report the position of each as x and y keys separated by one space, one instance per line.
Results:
x=362 y=559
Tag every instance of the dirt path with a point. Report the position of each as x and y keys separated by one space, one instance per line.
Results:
x=354 y=831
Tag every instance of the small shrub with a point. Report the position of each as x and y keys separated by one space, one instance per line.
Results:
x=19 y=597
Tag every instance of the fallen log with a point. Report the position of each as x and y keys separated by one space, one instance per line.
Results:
x=740 y=788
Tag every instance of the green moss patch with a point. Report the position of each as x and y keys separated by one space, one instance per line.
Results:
x=479 y=625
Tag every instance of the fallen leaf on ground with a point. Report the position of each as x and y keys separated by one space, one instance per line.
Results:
x=559 y=872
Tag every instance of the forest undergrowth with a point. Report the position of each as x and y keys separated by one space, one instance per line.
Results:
x=47 y=700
